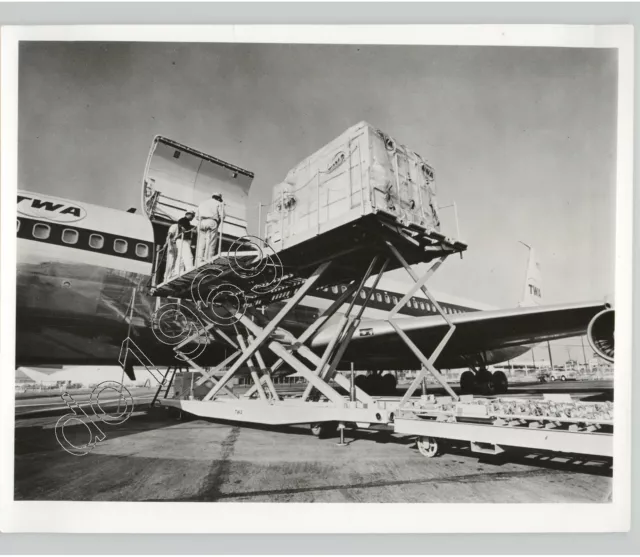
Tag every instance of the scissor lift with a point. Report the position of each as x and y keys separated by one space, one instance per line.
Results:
x=367 y=243
x=370 y=247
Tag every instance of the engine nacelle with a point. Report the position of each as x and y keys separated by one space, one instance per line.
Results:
x=601 y=334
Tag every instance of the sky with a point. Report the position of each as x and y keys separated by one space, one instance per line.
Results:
x=522 y=139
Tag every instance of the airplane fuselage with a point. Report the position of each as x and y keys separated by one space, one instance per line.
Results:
x=83 y=275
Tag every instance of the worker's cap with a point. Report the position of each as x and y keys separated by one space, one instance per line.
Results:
x=190 y=213
x=217 y=196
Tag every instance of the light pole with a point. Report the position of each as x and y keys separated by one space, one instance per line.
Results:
x=584 y=354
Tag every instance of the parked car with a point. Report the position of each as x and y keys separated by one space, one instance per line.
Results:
x=557 y=375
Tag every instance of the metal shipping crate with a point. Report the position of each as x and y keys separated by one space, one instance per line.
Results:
x=362 y=171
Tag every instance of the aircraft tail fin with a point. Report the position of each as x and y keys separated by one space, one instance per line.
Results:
x=532 y=294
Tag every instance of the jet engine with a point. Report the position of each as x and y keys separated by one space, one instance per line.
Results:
x=601 y=334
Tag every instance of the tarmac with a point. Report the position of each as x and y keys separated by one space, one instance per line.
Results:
x=154 y=457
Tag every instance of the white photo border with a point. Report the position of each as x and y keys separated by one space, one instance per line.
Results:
x=122 y=517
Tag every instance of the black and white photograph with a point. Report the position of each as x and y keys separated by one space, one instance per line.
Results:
x=319 y=271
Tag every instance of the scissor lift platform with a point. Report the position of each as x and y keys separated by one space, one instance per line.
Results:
x=350 y=249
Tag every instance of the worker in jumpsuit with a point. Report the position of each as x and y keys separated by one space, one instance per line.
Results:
x=209 y=216
x=178 y=246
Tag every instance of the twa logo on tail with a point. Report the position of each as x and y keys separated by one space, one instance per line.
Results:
x=50 y=208
x=532 y=295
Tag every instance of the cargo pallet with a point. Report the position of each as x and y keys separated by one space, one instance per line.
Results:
x=372 y=245
x=492 y=434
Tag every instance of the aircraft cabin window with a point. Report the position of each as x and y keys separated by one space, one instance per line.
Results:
x=96 y=241
x=387 y=300
x=142 y=250
x=70 y=236
x=120 y=246
x=379 y=297
x=334 y=289
x=363 y=295
x=395 y=300
x=422 y=306
x=343 y=288
x=41 y=231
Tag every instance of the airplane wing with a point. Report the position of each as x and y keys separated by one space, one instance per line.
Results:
x=481 y=337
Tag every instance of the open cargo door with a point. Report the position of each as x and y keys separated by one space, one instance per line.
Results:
x=177 y=178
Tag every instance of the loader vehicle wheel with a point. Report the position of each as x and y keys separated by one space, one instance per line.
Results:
x=324 y=429
x=428 y=446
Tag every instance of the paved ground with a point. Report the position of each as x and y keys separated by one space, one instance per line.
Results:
x=26 y=405
x=154 y=458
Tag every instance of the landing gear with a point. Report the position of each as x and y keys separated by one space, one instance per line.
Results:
x=377 y=385
x=483 y=382
x=428 y=446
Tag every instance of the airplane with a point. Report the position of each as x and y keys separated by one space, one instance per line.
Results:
x=84 y=274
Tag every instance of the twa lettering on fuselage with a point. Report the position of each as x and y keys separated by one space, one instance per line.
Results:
x=49 y=208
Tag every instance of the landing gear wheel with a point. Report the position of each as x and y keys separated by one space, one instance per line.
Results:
x=369 y=384
x=428 y=446
x=468 y=382
x=376 y=385
x=389 y=384
x=484 y=382
x=500 y=382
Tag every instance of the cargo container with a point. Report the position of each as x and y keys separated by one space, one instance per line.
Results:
x=362 y=171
